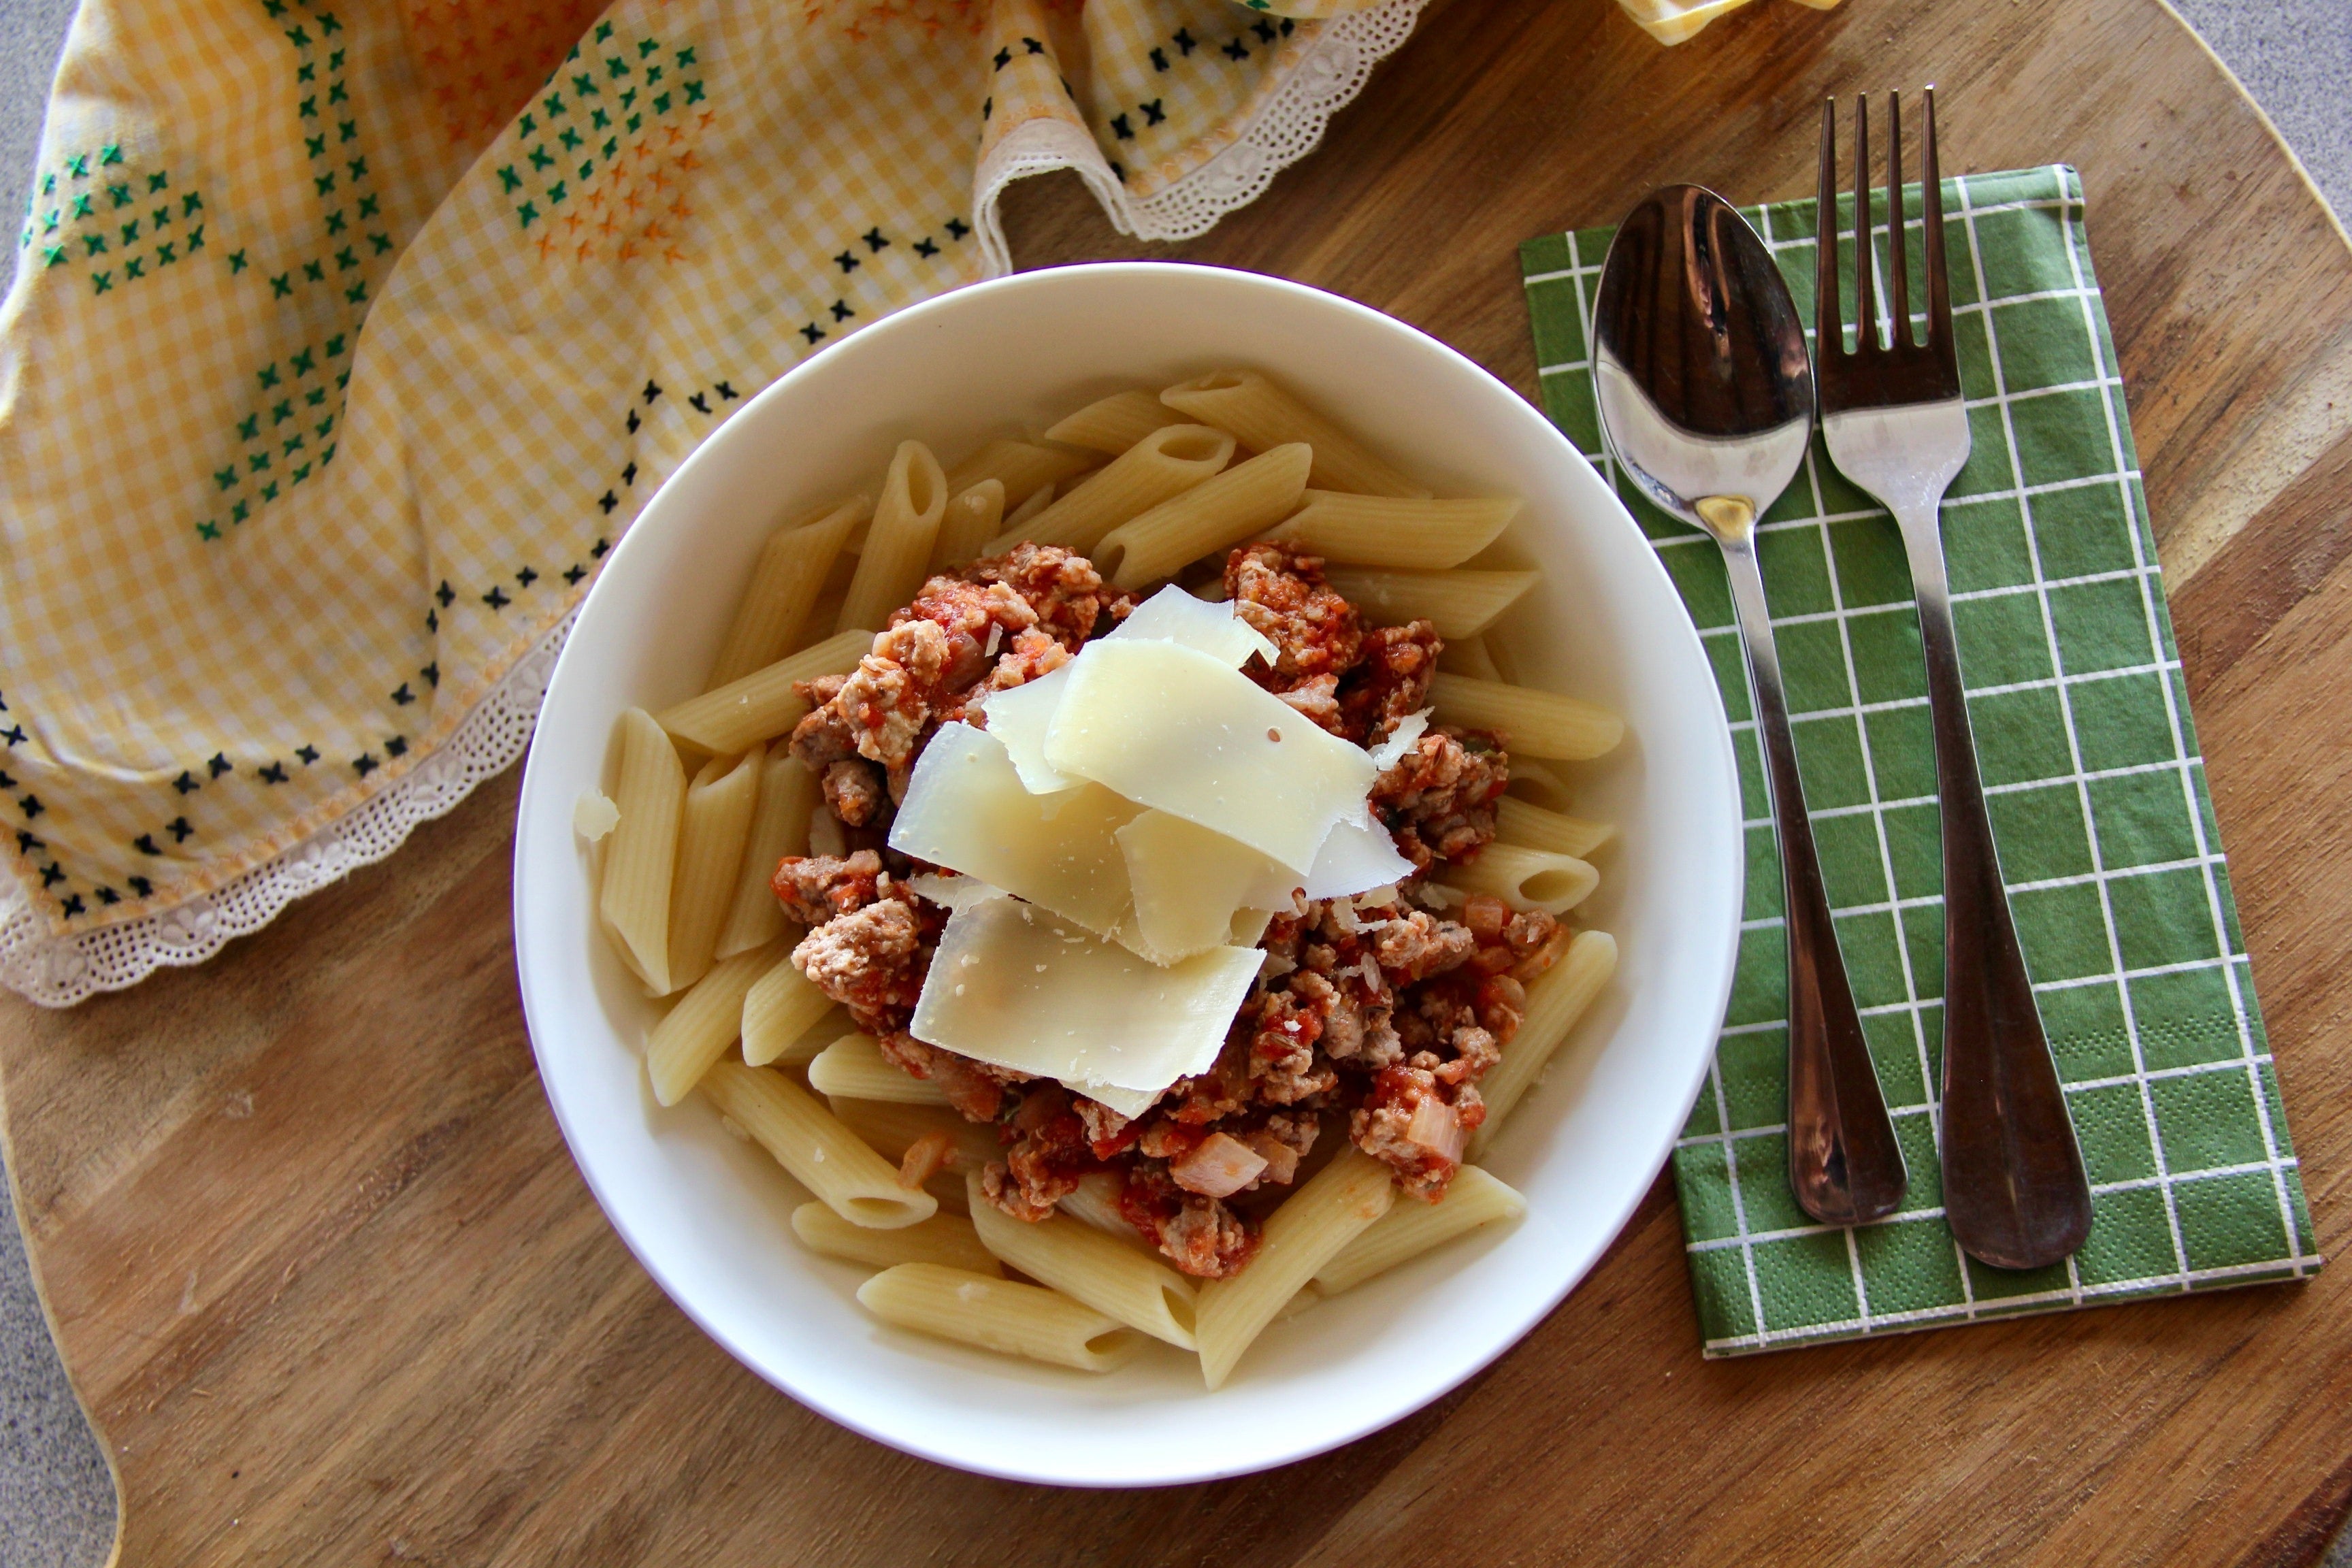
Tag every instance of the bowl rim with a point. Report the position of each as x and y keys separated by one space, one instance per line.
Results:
x=914 y=318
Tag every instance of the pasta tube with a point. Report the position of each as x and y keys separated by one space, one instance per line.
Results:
x=710 y=835
x=762 y=705
x=1535 y=782
x=822 y=1154
x=706 y=1021
x=1018 y=517
x=891 y=1127
x=1472 y=1199
x=1524 y=878
x=1023 y=468
x=943 y=1239
x=1211 y=516
x=1516 y=822
x=641 y=852
x=1302 y=1235
x=788 y=792
x=1388 y=531
x=998 y=1315
x=1264 y=417
x=853 y=1068
x=1540 y=723
x=792 y=568
x=972 y=520
x=1557 y=999
x=1460 y=603
x=1088 y=1267
x=1162 y=464
x=778 y=1012
x=1471 y=655
x=898 y=543
x=1114 y=424
x=1096 y=1202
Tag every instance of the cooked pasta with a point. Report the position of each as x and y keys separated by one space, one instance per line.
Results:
x=1540 y=723
x=762 y=705
x=1018 y=517
x=1088 y=1267
x=1555 y=1002
x=852 y=1067
x=1212 y=515
x=707 y=1020
x=944 y=1240
x=780 y=819
x=1264 y=417
x=1460 y=603
x=711 y=832
x=1473 y=657
x=1415 y=535
x=1516 y=822
x=1096 y=1202
x=1163 y=465
x=998 y=1315
x=811 y=1144
x=1021 y=467
x=1472 y=1199
x=779 y=1013
x=1526 y=879
x=791 y=570
x=891 y=1127
x=970 y=520
x=641 y=852
x=1302 y=1235
x=899 y=541
x=1114 y=424
x=1540 y=784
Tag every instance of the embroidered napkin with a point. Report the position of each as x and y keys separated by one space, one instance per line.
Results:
x=2108 y=841
x=348 y=335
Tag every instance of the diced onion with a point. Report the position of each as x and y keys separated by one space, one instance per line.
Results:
x=1436 y=1127
x=1221 y=1166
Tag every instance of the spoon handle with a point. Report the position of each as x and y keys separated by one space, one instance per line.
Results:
x=2014 y=1189
x=1844 y=1161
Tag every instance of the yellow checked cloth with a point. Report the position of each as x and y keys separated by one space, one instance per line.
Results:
x=347 y=337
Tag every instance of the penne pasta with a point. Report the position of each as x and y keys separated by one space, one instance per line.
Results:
x=853 y=1068
x=791 y=570
x=780 y=817
x=710 y=835
x=1096 y=1204
x=1394 y=532
x=1161 y=466
x=1556 y=1000
x=972 y=520
x=762 y=705
x=1089 y=1268
x=707 y=1020
x=1537 y=783
x=1018 y=517
x=1023 y=468
x=1471 y=656
x=998 y=1315
x=899 y=541
x=1472 y=1199
x=809 y=1141
x=778 y=1013
x=1302 y=1235
x=1460 y=603
x=1524 y=878
x=1264 y=415
x=889 y=1127
x=1114 y=424
x=641 y=852
x=1211 y=516
x=944 y=1240
x=1516 y=822
x=1539 y=723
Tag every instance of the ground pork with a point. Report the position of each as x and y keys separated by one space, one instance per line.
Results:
x=1200 y=1235
x=871 y=961
x=1389 y=681
x=1049 y=1152
x=813 y=888
x=1064 y=593
x=1313 y=629
x=854 y=788
x=974 y=1089
x=1438 y=800
x=1384 y=1127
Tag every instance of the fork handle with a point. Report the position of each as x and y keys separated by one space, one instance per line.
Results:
x=1844 y=1163
x=2014 y=1190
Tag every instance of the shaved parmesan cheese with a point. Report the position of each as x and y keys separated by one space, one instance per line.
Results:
x=953 y=892
x=1018 y=717
x=1168 y=726
x=1402 y=739
x=1015 y=987
x=1249 y=926
x=966 y=809
x=1174 y=616
x=593 y=815
x=1187 y=881
x=1358 y=856
x=1128 y=1103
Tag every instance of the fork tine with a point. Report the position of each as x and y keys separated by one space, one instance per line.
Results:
x=1898 y=333
x=1865 y=298
x=1940 y=293
x=1828 y=327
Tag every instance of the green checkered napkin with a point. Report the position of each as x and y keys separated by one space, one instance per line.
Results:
x=2090 y=762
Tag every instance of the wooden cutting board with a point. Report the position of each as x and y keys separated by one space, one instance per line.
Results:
x=333 y=1290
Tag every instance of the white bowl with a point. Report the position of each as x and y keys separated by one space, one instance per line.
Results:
x=709 y=1216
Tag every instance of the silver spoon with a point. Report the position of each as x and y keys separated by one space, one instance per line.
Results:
x=1706 y=403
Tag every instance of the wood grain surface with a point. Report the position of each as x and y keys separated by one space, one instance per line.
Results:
x=333 y=1290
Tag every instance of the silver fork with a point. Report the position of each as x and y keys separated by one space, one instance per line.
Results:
x=2014 y=1190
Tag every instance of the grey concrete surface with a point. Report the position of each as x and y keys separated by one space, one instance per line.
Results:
x=57 y=1502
